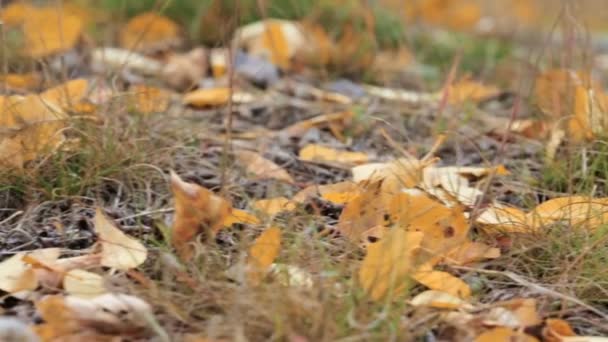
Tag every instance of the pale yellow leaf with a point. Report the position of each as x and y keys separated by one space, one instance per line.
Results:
x=150 y=31
x=262 y=254
x=319 y=153
x=261 y=167
x=578 y=211
x=438 y=299
x=84 y=284
x=118 y=250
x=442 y=281
x=17 y=275
x=273 y=206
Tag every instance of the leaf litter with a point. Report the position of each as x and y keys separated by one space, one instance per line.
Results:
x=290 y=190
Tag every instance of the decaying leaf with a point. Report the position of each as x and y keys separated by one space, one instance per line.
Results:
x=197 y=210
x=388 y=265
x=150 y=31
x=262 y=253
x=313 y=152
x=261 y=167
x=118 y=250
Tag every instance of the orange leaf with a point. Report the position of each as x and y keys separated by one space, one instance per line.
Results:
x=197 y=210
x=212 y=97
x=49 y=31
x=504 y=335
x=555 y=329
x=263 y=252
x=442 y=281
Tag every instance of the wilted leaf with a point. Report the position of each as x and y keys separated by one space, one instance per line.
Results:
x=118 y=250
x=261 y=167
x=150 y=31
x=313 y=152
x=197 y=210
x=81 y=283
x=438 y=299
x=273 y=206
x=263 y=252
x=504 y=335
x=389 y=263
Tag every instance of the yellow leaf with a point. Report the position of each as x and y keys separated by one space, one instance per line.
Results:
x=118 y=250
x=21 y=82
x=211 y=97
x=149 y=32
x=556 y=329
x=275 y=40
x=17 y=112
x=388 y=265
x=15 y=13
x=262 y=167
x=442 y=281
x=338 y=193
x=365 y=211
x=273 y=206
x=150 y=99
x=263 y=252
x=50 y=31
x=395 y=175
x=313 y=152
x=468 y=90
x=337 y=121
x=17 y=275
x=554 y=90
x=504 y=335
x=237 y=216
x=578 y=211
x=30 y=142
x=522 y=309
x=197 y=210
x=81 y=283
x=470 y=252
x=66 y=94
x=438 y=299
x=589 y=117
x=443 y=227
x=498 y=218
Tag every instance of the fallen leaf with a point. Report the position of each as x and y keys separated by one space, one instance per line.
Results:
x=523 y=310
x=21 y=82
x=66 y=95
x=442 y=281
x=363 y=212
x=214 y=97
x=504 y=335
x=197 y=210
x=48 y=31
x=30 y=142
x=470 y=252
x=149 y=99
x=388 y=265
x=395 y=175
x=338 y=193
x=468 y=90
x=261 y=167
x=239 y=216
x=438 y=299
x=589 y=117
x=313 y=152
x=118 y=250
x=16 y=275
x=84 y=284
x=273 y=206
x=290 y=275
x=150 y=32
x=15 y=13
x=337 y=120
x=555 y=329
x=262 y=253
x=117 y=60
x=578 y=211
x=499 y=218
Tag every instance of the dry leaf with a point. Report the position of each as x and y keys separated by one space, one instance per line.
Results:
x=589 y=119
x=363 y=212
x=16 y=275
x=336 y=120
x=262 y=253
x=197 y=210
x=504 y=335
x=273 y=206
x=117 y=60
x=148 y=32
x=555 y=329
x=66 y=95
x=468 y=90
x=389 y=263
x=514 y=313
x=470 y=252
x=313 y=152
x=150 y=99
x=118 y=250
x=84 y=284
x=499 y=218
x=261 y=167
x=15 y=13
x=50 y=31
x=338 y=193
x=578 y=211
x=239 y=216
x=396 y=175
x=442 y=281
x=438 y=299
x=21 y=82
x=30 y=142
